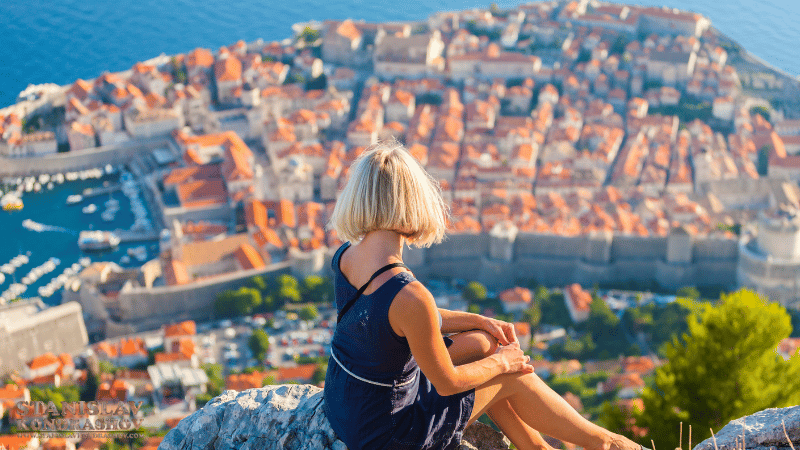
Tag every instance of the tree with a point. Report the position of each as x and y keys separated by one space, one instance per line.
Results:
x=316 y=289
x=308 y=312
x=725 y=367
x=309 y=35
x=237 y=303
x=533 y=315
x=690 y=292
x=763 y=160
x=319 y=374
x=762 y=110
x=286 y=290
x=474 y=292
x=259 y=344
x=88 y=392
x=215 y=380
x=554 y=310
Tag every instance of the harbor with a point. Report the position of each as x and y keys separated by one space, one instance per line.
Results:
x=50 y=215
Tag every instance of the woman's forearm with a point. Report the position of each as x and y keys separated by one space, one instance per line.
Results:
x=457 y=321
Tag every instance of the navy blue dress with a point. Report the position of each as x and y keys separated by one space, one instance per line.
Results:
x=406 y=414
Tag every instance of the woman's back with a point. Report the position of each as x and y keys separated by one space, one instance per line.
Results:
x=365 y=339
x=375 y=394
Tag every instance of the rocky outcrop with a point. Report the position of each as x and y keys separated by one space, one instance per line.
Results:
x=760 y=431
x=283 y=417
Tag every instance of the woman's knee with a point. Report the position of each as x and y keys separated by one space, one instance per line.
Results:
x=484 y=342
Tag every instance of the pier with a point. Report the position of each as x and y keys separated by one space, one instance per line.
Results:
x=137 y=236
x=96 y=192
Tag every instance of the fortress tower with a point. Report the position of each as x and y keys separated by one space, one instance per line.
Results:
x=769 y=259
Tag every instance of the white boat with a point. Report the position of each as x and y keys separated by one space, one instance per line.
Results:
x=125 y=259
x=74 y=198
x=112 y=203
x=50 y=186
x=108 y=215
x=97 y=240
x=89 y=209
x=33 y=226
x=2 y=278
x=11 y=202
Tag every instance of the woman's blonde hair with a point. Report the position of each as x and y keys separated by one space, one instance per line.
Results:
x=389 y=190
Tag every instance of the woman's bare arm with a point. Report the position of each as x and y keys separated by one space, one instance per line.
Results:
x=413 y=314
x=457 y=321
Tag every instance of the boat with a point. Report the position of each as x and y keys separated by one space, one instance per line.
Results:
x=140 y=253
x=89 y=209
x=93 y=240
x=108 y=215
x=33 y=226
x=112 y=203
x=2 y=278
x=50 y=186
x=74 y=198
x=125 y=259
x=11 y=202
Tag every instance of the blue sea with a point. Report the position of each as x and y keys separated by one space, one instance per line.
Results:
x=61 y=225
x=59 y=41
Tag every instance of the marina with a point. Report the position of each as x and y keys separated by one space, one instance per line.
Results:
x=46 y=255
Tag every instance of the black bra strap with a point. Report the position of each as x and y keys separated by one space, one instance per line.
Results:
x=352 y=301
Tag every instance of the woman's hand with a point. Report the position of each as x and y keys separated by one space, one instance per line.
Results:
x=513 y=359
x=502 y=331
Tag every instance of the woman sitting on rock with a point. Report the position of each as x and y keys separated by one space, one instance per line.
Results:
x=393 y=381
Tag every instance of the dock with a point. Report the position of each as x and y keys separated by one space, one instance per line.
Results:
x=96 y=192
x=136 y=236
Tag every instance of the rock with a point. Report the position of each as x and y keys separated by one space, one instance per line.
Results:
x=279 y=417
x=762 y=430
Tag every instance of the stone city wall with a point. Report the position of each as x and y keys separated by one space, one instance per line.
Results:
x=79 y=160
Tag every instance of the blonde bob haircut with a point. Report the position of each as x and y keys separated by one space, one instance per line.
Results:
x=389 y=190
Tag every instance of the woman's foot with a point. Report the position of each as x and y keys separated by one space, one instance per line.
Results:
x=613 y=441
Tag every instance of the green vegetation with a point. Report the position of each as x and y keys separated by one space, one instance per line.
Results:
x=321 y=82
x=55 y=394
x=762 y=165
x=492 y=33
x=554 y=310
x=316 y=289
x=216 y=383
x=474 y=292
x=308 y=312
x=585 y=387
x=266 y=295
x=429 y=98
x=686 y=110
x=309 y=35
x=259 y=344
x=319 y=374
x=762 y=110
x=242 y=301
x=178 y=71
x=724 y=367
x=660 y=324
x=286 y=289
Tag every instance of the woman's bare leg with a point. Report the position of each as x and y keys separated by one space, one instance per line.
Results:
x=544 y=410
x=472 y=346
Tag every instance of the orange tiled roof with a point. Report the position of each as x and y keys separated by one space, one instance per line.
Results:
x=516 y=295
x=185 y=328
x=43 y=361
x=248 y=257
x=228 y=69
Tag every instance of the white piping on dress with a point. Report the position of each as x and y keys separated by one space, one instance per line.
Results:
x=366 y=380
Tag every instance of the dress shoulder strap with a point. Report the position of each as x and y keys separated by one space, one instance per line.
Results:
x=361 y=290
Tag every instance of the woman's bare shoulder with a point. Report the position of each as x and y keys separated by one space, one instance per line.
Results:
x=413 y=295
x=411 y=304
